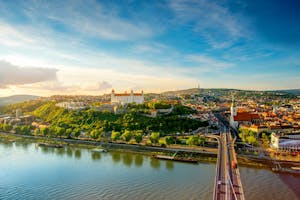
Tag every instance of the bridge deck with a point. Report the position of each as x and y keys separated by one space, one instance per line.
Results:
x=228 y=184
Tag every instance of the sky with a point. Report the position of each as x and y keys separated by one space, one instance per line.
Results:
x=89 y=47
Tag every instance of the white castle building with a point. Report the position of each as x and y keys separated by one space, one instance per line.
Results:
x=125 y=98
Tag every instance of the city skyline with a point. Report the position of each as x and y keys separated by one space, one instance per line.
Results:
x=78 y=47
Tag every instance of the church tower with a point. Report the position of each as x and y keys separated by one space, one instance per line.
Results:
x=233 y=113
x=233 y=107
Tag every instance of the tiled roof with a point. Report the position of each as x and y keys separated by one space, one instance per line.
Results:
x=245 y=116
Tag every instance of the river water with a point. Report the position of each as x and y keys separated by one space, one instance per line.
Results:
x=29 y=172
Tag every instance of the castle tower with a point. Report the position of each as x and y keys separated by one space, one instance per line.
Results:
x=131 y=96
x=112 y=96
x=233 y=113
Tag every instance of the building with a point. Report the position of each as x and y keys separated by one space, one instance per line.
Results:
x=105 y=107
x=240 y=116
x=72 y=105
x=285 y=142
x=18 y=113
x=125 y=98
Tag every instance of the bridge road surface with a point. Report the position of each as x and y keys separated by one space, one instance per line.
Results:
x=228 y=184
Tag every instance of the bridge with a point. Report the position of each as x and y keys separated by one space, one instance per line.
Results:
x=228 y=184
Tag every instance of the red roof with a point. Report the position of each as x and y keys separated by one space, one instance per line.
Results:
x=245 y=116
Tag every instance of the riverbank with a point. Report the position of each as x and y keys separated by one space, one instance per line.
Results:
x=199 y=155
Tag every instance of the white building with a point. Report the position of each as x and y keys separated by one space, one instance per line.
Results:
x=72 y=105
x=285 y=142
x=125 y=98
x=233 y=112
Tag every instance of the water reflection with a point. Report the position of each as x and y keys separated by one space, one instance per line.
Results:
x=96 y=156
x=155 y=163
x=23 y=145
x=69 y=152
x=46 y=150
x=6 y=144
x=116 y=157
x=59 y=151
x=127 y=159
x=169 y=165
x=78 y=154
x=292 y=181
x=139 y=159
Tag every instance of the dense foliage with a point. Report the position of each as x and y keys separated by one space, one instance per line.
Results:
x=130 y=125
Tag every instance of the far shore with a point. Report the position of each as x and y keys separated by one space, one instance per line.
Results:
x=201 y=154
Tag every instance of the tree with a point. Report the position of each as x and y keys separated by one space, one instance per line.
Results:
x=251 y=140
x=44 y=131
x=37 y=131
x=25 y=130
x=202 y=140
x=77 y=132
x=17 y=130
x=7 y=127
x=68 y=133
x=138 y=136
x=95 y=134
x=115 y=135
x=169 y=140
x=59 y=131
x=154 y=137
x=192 y=140
x=126 y=135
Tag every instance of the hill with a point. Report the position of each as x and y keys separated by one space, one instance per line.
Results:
x=16 y=99
x=197 y=90
x=293 y=91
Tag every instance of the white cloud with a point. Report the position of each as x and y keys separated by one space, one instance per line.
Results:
x=16 y=75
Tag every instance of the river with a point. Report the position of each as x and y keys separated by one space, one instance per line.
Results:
x=28 y=172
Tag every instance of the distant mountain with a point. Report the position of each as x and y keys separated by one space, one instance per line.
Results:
x=16 y=99
x=293 y=91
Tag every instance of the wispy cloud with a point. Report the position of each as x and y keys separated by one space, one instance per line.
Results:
x=9 y=36
x=206 y=63
x=16 y=75
x=90 y=18
x=211 y=20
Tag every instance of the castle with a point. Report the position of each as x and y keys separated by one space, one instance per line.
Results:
x=125 y=98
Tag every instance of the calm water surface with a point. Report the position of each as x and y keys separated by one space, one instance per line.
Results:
x=29 y=172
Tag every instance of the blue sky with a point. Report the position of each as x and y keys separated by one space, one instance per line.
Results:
x=90 y=47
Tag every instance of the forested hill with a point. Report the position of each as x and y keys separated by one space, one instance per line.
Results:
x=89 y=120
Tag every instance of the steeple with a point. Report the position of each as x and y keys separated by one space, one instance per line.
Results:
x=232 y=101
x=233 y=109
